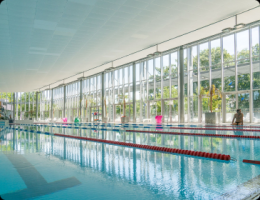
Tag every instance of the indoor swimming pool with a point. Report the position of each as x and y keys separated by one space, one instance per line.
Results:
x=110 y=164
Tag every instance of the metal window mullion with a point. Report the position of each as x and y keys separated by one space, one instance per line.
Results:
x=199 y=98
x=29 y=101
x=103 y=96
x=13 y=105
x=222 y=79
x=236 y=78
x=259 y=40
x=161 y=66
x=24 y=103
x=17 y=106
x=141 y=89
x=181 y=84
x=188 y=53
x=210 y=65
x=147 y=88
x=64 y=101
x=33 y=102
x=80 y=97
x=170 y=76
x=51 y=104
x=113 y=94
x=134 y=92
x=251 y=77
x=154 y=81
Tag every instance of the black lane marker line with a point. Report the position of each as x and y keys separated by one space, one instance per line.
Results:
x=36 y=184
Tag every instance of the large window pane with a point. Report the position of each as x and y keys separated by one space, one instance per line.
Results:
x=150 y=77
x=229 y=50
x=157 y=68
x=256 y=106
x=204 y=55
x=194 y=72
x=229 y=64
x=174 y=74
x=166 y=74
x=243 y=66
x=215 y=54
x=255 y=55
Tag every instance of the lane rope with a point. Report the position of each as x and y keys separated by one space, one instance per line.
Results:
x=196 y=134
x=154 y=148
x=214 y=129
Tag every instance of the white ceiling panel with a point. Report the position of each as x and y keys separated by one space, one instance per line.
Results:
x=42 y=42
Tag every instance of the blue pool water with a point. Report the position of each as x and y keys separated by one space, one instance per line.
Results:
x=39 y=166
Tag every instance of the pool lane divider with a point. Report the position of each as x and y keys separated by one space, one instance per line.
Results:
x=154 y=148
x=234 y=126
x=196 y=134
x=252 y=161
x=214 y=129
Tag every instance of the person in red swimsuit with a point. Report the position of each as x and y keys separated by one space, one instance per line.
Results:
x=239 y=118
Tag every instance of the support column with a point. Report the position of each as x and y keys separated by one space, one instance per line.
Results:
x=37 y=102
x=64 y=101
x=251 y=78
x=51 y=104
x=134 y=90
x=13 y=106
x=199 y=95
x=223 y=103
x=181 y=85
x=103 y=95
x=236 y=78
x=80 y=98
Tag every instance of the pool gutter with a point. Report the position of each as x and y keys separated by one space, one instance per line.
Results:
x=249 y=190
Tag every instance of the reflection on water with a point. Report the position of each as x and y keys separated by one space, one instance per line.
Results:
x=162 y=175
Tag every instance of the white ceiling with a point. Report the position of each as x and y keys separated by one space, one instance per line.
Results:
x=43 y=41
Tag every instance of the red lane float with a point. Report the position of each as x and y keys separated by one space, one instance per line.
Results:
x=214 y=129
x=196 y=134
x=252 y=161
x=155 y=148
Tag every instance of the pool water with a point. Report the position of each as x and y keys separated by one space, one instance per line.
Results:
x=42 y=166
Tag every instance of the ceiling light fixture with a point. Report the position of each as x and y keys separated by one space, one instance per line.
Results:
x=156 y=53
x=110 y=68
x=150 y=55
x=227 y=30
x=238 y=26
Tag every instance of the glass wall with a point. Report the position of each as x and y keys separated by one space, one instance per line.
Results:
x=6 y=99
x=58 y=103
x=228 y=74
x=72 y=101
x=119 y=93
x=221 y=74
x=92 y=99
x=45 y=105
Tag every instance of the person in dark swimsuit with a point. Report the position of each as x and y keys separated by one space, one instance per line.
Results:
x=239 y=118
